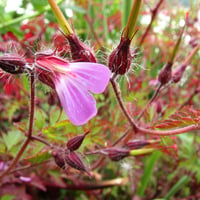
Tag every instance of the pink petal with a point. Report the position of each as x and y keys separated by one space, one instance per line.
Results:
x=79 y=105
x=92 y=76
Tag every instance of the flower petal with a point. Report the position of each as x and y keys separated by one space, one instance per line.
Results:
x=78 y=103
x=93 y=76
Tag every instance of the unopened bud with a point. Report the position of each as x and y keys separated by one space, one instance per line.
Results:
x=12 y=63
x=73 y=160
x=116 y=154
x=74 y=143
x=165 y=74
x=80 y=52
x=176 y=77
x=59 y=159
x=120 y=59
x=136 y=144
x=45 y=77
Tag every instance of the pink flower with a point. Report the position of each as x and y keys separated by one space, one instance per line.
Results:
x=74 y=83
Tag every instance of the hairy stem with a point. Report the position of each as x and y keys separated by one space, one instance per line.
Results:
x=137 y=129
x=121 y=104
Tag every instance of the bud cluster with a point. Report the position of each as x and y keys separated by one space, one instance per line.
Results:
x=70 y=157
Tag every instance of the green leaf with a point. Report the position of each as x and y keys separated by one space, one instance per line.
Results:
x=183 y=181
x=12 y=109
x=12 y=138
x=39 y=118
x=39 y=5
x=7 y=197
x=147 y=174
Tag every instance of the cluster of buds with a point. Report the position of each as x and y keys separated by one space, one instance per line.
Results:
x=131 y=148
x=70 y=157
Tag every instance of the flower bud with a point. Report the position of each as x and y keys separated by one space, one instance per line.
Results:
x=74 y=143
x=116 y=154
x=73 y=160
x=176 y=77
x=136 y=144
x=80 y=52
x=12 y=63
x=165 y=74
x=120 y=59
x=59 y=159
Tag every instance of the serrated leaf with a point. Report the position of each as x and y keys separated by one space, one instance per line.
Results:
x=39 y=157
x=185 y=117
x=12 y=138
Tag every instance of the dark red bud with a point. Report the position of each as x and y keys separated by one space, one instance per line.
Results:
x=52 y=98
x=13 y=63
x=74 y=143
x=80 y=52
x=73 y=160
x=176 y=77
x=120 y=59
x=59 y=159
x=136 y=144
x=116 y=154
x=45 y=77
x=165 y=74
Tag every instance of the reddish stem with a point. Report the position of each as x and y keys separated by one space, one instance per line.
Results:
x=120 y=101
x=136 y=128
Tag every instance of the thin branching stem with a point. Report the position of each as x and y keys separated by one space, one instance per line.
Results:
x=138 y=129
x=121 y=104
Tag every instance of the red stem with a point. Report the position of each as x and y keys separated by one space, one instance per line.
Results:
x=120 y=101
x=149 y=131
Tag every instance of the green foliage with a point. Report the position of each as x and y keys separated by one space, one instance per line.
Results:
x=181 y=182
x=148 y=172
x=7 y=197
x=12 y=138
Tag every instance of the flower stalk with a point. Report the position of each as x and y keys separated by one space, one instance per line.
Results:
x=60 y=18
x=132 y=20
